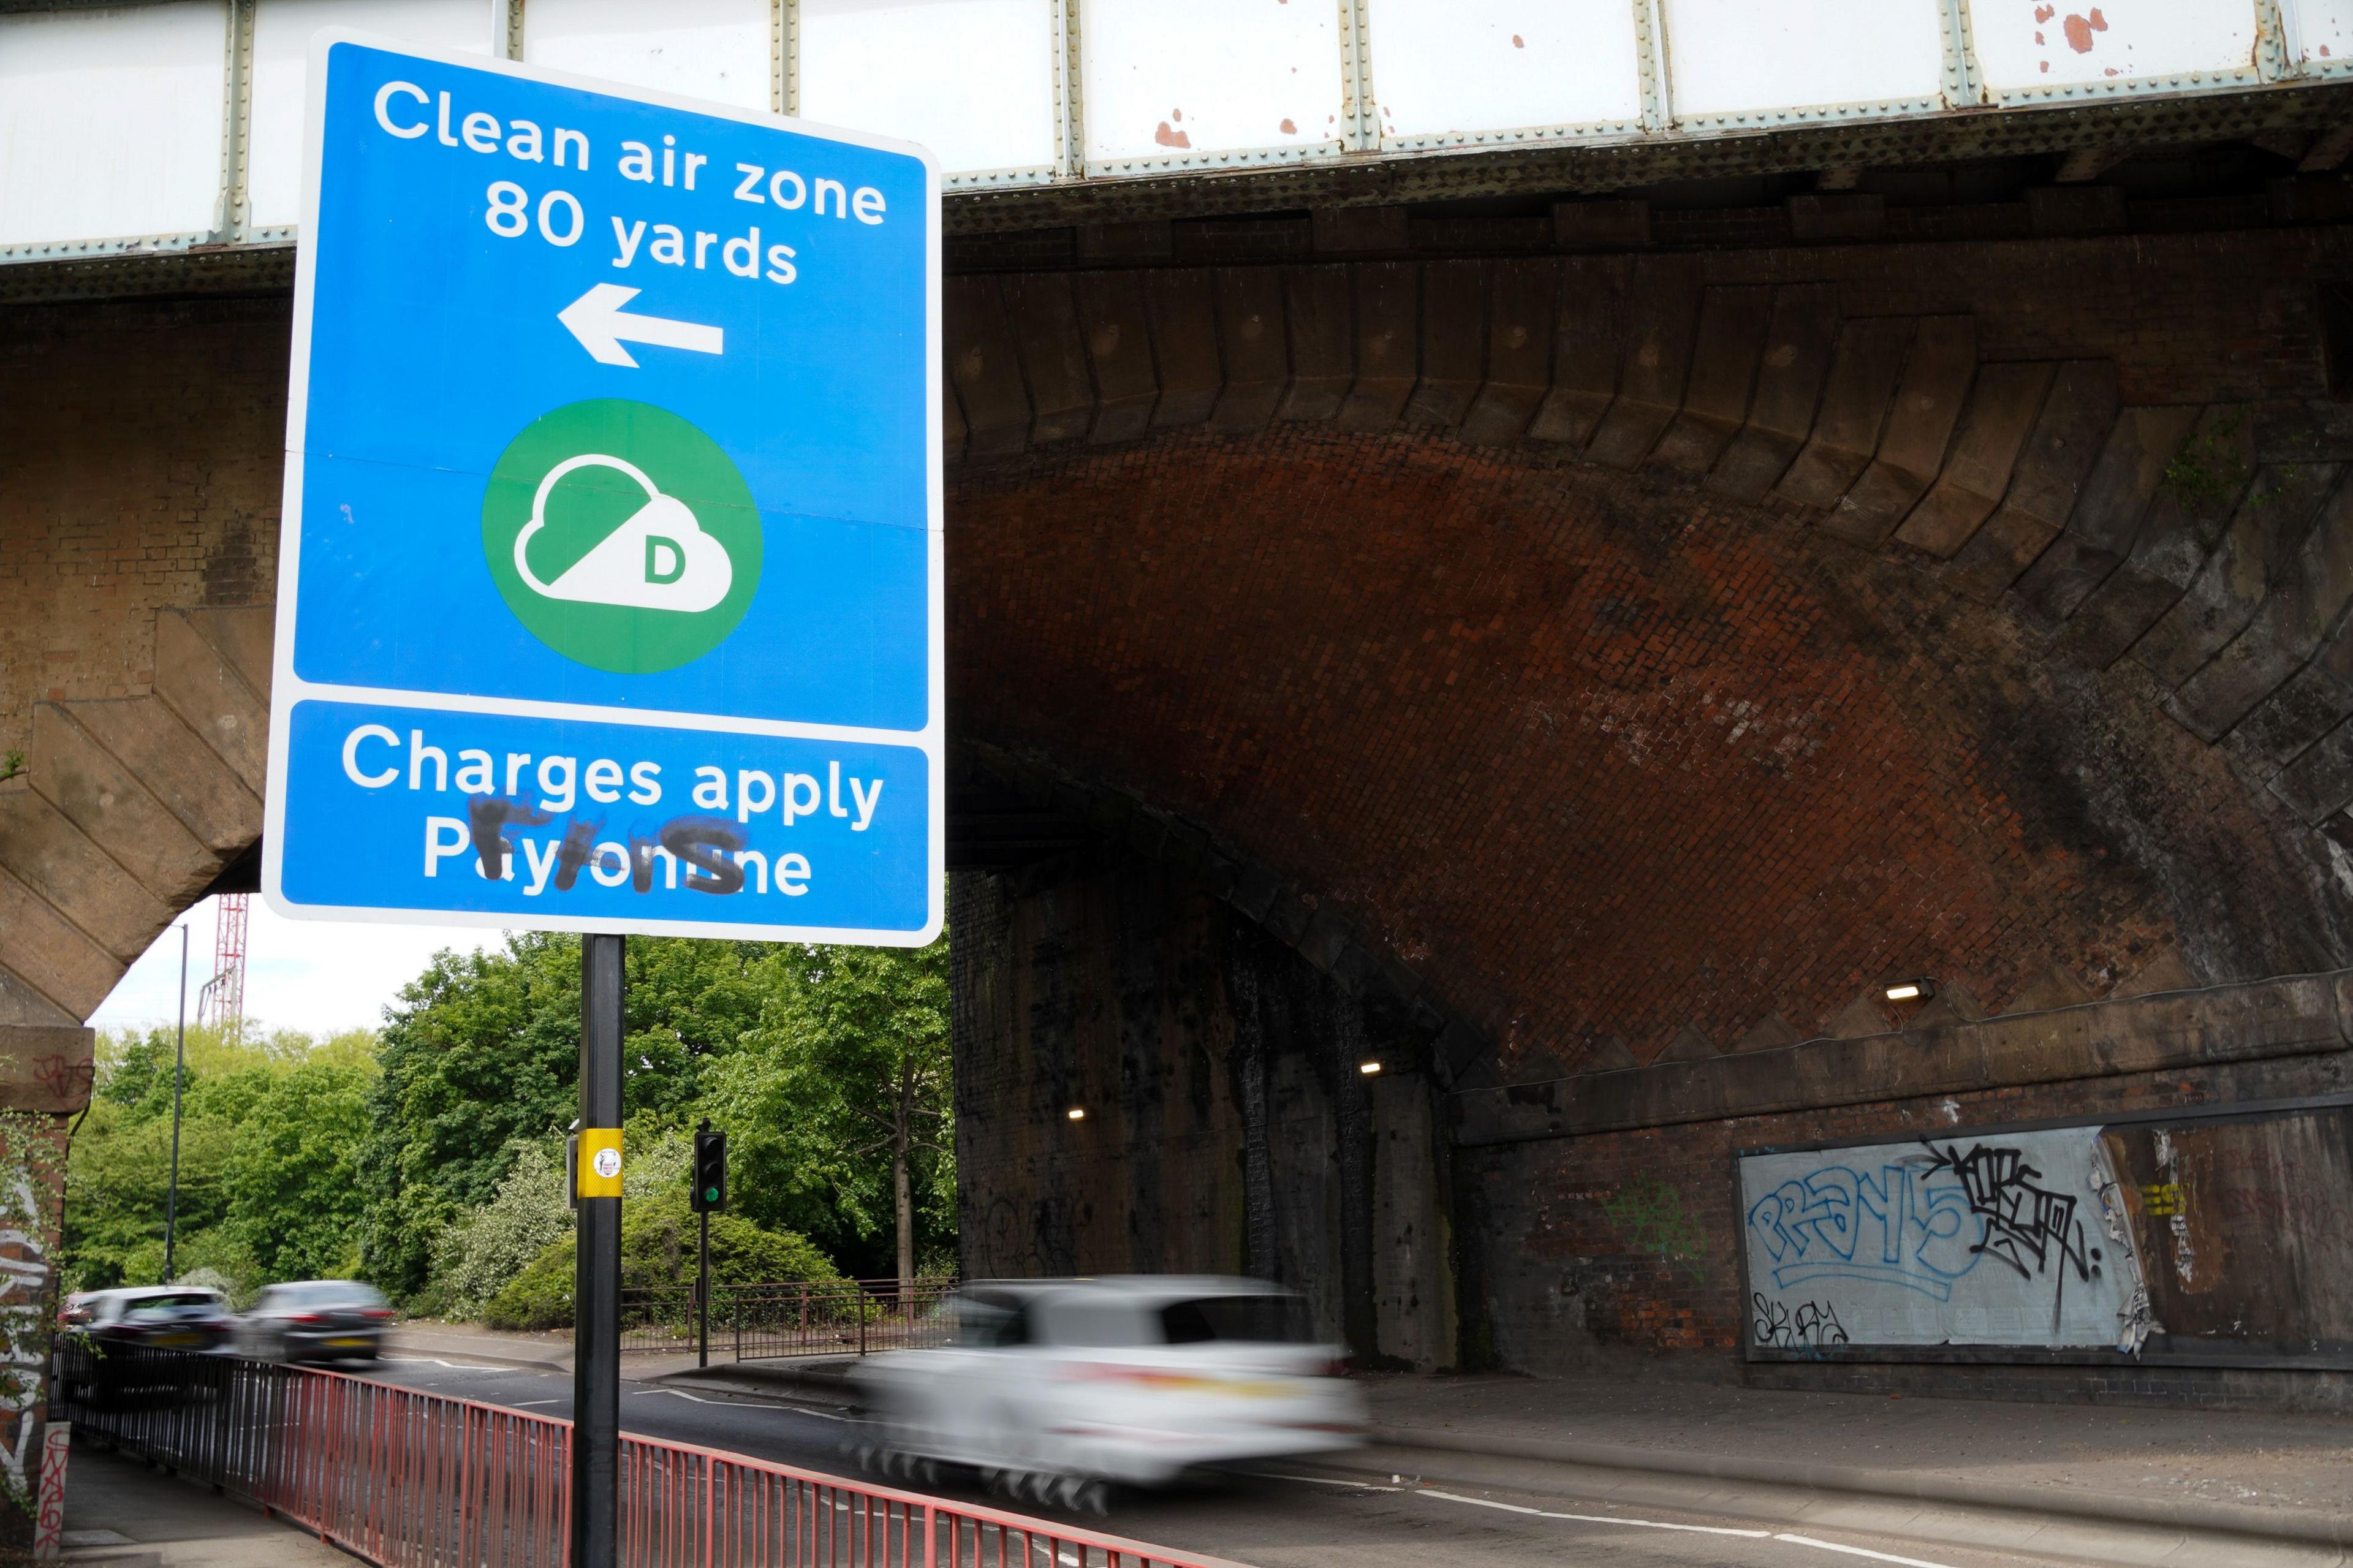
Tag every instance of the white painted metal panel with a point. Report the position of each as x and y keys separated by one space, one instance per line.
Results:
x=2320 y=34
x=2038 y=47
x=724 y=50
x=971 y=80
x=2016 y=1238
x=1752 y=60
x=281 y=43
x=111 y=121
x=1208 y=81
x=1461 y=70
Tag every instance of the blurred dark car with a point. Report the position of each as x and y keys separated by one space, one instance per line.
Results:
x=156 y=1316
x=316 y=1319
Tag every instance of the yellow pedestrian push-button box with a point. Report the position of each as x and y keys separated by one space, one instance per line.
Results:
x=600 y=1162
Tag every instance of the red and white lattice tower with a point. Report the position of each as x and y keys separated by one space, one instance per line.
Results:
x=228 y=965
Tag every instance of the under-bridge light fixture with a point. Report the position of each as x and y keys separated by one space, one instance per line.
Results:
x=1076 y=1113
x=1918 y=990
x=1368 y=1068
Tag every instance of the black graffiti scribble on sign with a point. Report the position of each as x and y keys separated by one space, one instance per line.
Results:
x=2026 y=1226
x=579 y=844
x=702 y=843
x=1813 y=1325
x=488 y=817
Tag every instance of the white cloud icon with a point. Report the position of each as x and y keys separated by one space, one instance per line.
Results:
x=658 y=560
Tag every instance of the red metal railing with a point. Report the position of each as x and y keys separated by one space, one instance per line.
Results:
x=411 y=1480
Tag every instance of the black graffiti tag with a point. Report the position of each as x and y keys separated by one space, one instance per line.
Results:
x=1814 y=1324
x=2026 y=1225
x=701 y=843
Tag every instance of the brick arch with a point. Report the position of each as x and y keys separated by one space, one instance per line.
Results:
x=129 y=809
x=1261 y=542
x=1883 y=447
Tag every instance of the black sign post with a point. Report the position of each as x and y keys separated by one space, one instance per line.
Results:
x=597 y=1267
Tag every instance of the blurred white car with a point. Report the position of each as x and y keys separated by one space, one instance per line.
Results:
x=1052 y=1387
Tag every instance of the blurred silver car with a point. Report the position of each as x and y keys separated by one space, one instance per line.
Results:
x=1052 y=1387
x=316 y=1319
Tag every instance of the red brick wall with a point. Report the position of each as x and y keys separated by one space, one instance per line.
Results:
x=141 y=451
x=1596 y=755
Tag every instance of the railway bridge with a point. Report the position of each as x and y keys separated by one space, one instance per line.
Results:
x=1551 y=602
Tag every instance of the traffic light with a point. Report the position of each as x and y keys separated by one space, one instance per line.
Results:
x=710 y=1194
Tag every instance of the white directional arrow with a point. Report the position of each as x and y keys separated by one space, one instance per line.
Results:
x=598 y=320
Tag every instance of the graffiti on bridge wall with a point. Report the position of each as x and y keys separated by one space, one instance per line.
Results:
x=24 y=1343
x=32 y=1177
x=2017 y=1239
x=1814 y=1324
x=1650 y=1214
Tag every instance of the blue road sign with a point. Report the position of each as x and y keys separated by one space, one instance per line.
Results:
x=610 y=589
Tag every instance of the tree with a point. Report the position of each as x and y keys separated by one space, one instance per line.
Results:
x=270 y=1134
x=481 y=1054
x=474 y=1259
x=838 y=1132
x=482 y=1057
x=291 y=1180
x=845 y=1088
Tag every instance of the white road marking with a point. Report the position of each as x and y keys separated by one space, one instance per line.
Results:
x=742 y=1403
x=1661 y=1524
x=1600 y=1518
x=1860 y=1552
x=1328 y=1481
x=527 y=1403
x=452 y=1365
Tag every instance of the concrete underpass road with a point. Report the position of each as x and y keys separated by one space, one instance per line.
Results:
x=1297 y=1516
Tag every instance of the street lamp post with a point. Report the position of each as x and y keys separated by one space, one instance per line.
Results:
x=179 y=1073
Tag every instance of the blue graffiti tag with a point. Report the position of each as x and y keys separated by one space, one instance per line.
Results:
x=1910 y=1226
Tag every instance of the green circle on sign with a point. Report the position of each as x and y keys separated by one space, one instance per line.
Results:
x=621 y=536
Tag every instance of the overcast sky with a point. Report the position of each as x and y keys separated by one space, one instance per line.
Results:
x=318 y=977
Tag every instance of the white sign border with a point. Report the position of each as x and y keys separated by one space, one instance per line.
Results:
x=287 y=688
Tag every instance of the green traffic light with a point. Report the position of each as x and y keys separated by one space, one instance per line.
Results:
x=710 y=1195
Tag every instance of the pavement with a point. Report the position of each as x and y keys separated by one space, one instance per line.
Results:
x=433 y=1337
x=127 y=1514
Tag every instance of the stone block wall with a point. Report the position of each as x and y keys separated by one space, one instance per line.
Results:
x=1228 y=1126
x=141 y=454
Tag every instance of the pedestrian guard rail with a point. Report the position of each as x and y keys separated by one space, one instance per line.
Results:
x=407 y=1478
x=790 y=1319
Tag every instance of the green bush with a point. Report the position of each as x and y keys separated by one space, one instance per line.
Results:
x=480 y=1254
x=658 y=1253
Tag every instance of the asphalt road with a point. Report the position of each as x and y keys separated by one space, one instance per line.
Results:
x=1303 y=1516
